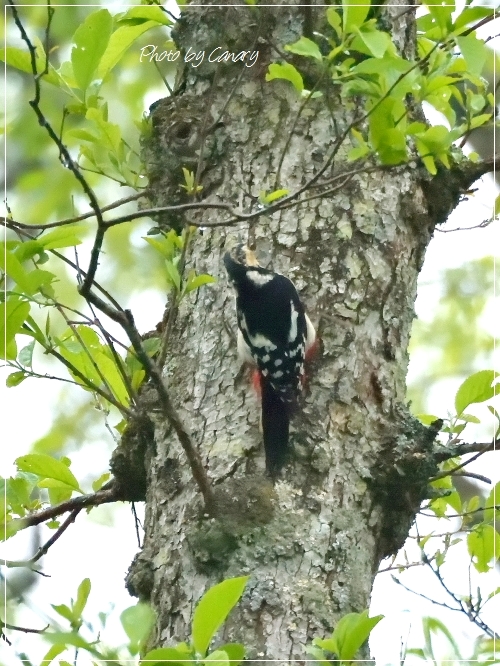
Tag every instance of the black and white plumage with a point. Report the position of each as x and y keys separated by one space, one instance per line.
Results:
x=274 y=334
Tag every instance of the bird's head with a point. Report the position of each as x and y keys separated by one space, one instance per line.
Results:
x=240 y=254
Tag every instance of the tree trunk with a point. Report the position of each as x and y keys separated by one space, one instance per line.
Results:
x=312 y=543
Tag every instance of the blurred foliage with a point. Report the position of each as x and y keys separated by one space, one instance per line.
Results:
x=454 y=341
x=41 y=189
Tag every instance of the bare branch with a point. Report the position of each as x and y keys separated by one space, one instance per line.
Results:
x=481 y=225
x=470 y=610
x=26 y=630
x=77 y=218
x=473 y=475
x=496 y=507
x=44 y=549
x=445 y=453
x=103 y=496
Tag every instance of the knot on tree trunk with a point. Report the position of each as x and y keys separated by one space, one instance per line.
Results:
x=400 y=479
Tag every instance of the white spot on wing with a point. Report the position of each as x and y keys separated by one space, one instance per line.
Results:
x=244 y=353
x=259 y=340
x=310 y=335
x=293 y=324
x=259 y=278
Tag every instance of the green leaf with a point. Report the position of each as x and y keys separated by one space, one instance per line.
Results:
x=17 y=492
x=112 y=375
x=66 y=236
x=333 y=18
x=13 y=314
x=267 y=199
x=38 y=280
x=427 y=419
x=151 y=13
x=82 y=596
x=216 y=658
x=476 y=388
x=471 y=14
x=358 y=152
x=235 y=652
x=52 y=653
x=493 y=411
x=173 y=274
x=151 y=347
x=137 y=622
x=28 y=249
x=109 y=133
x=431 y=625
x=352 y=631
x=318 y=655
x=21 y=60
x=196 y=281
x=483 y=543
x=67 y=638
x=441 y=13
x=213 y=609
x=11 y=265
x=287 y=72
x=25 y=356
x=392 y=146
x=91 y=39
x=475 y=53
x=47 y=467
x=477 y=121
x=493 y=499
x=164 y=246
x=469 y=418
x=376 y=41
x=64 y=611
x=354 y=13
x=173 y=656
x=98 y=483
x=496 y=210
x=15 y=378
x=327 y=644
x=58 y=494
x=119 y=43
x=305 y=47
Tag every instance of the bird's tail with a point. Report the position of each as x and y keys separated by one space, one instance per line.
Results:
x=275 y=427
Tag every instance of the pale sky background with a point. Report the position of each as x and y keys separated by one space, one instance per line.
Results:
x=91 y=548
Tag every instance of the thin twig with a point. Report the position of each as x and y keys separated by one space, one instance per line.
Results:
x=481 y=225
x=103 y=496
x=26 y=630
x=118 y=361
x=44 y=549
x=449 y=472
x=494 y=507
x=78 y=218
x=473 y=475
x=444 y=453
x=79 y=338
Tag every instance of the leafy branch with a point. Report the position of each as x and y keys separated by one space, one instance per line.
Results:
x=123 y=317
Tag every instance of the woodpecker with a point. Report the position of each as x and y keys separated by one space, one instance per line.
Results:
x=275 y=335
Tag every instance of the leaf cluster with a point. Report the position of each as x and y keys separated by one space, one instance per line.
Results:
x=360 y=60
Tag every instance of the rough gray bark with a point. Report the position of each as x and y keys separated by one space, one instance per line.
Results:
x=360 y=463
